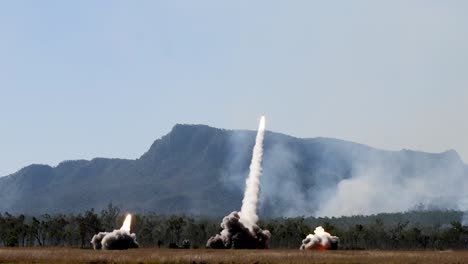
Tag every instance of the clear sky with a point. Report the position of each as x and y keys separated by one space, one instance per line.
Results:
x=84 y=79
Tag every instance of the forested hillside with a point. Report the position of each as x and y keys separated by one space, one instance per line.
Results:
x=200 y=170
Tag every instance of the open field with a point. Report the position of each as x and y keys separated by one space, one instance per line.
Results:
x=71 y=255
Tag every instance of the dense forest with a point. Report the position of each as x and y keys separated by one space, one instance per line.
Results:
x=410 y=230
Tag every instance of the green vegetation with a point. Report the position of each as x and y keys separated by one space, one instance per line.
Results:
x=410 y=230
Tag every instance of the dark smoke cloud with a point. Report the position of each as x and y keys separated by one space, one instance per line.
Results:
x=115 y=240
x=237 y=236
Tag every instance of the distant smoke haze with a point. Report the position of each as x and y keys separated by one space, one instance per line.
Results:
x=464 y=220
x=383 y=186
x=350 y=179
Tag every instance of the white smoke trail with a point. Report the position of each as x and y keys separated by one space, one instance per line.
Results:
x=240 y=229
x=248 y=213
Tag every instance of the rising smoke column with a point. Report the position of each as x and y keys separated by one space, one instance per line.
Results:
x=320 y=240
x=240 y=229
x=117 y=239
x=248 y=213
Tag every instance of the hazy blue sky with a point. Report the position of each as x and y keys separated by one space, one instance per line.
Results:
x=84 y=79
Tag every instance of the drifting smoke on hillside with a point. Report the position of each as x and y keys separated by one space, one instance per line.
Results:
x=240 y=229
x=285 y=193
x=339 y=173
x=416 y=180
x=320 y=240
x=117 y=239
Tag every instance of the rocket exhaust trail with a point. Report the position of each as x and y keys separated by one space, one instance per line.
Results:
x=248 y=212
x=240 y=229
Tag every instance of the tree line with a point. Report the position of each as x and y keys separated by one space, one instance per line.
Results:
x=410 y=230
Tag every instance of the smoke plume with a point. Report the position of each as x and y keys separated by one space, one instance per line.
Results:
x=419 y=180
x=117 y=239
x=236 y=235
x=320 y=240
x=240 y=229
x=96 y=240
x=248 y=213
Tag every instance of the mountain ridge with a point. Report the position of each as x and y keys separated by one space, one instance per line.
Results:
x=198 y=169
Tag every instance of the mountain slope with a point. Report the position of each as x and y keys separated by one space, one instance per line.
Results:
x=196 y=169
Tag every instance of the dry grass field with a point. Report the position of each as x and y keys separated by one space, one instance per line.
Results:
x=71 y=255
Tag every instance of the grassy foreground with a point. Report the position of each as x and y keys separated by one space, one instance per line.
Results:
x=149 y=255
